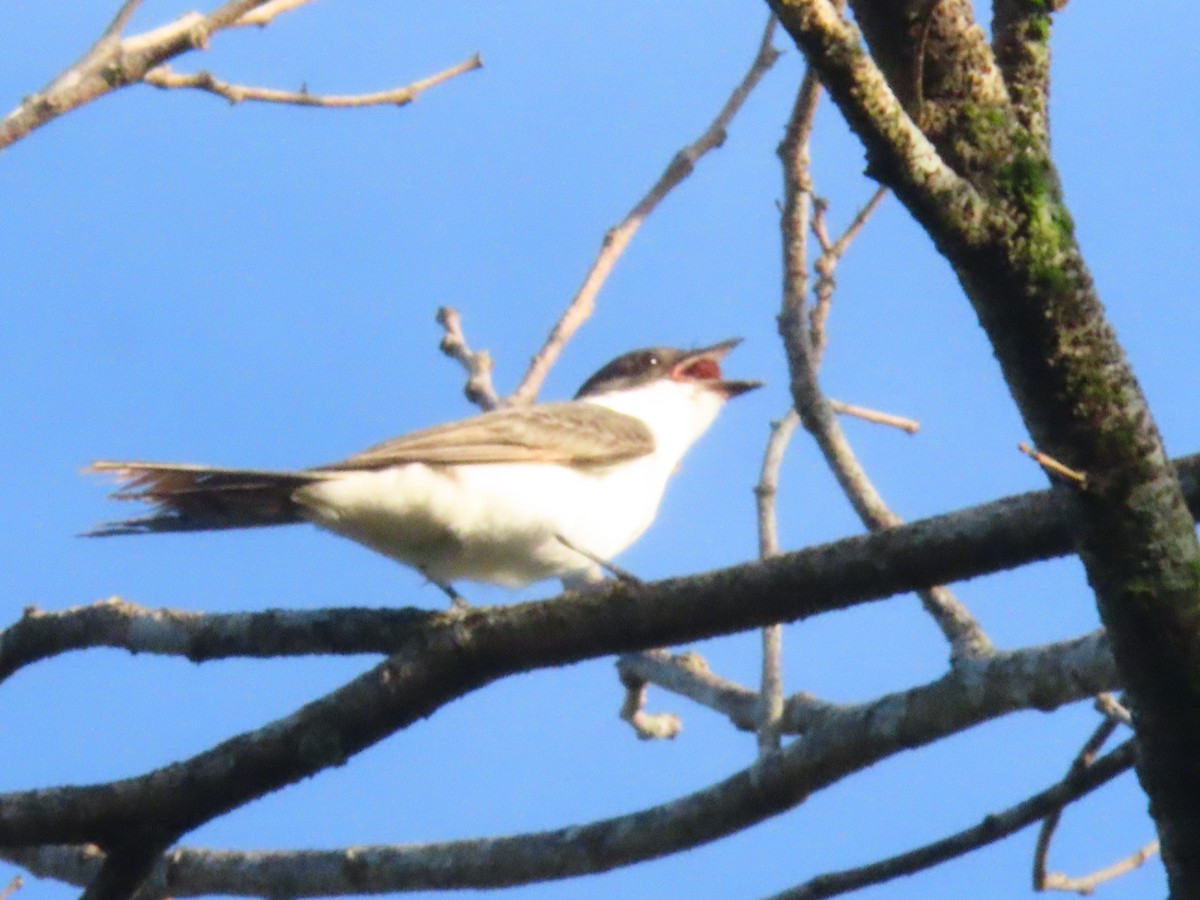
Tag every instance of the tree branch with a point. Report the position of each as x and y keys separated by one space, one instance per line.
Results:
x=1021 y=42
x=912 y=426
x=803 y=339
x=838 y=742
x=477 y=364
x=266 y=13
x=115 y=622
x=164 y=77
x=619 y=236
x=115 y=62
x=994 y=827
x=980 y=540
x=454 y=653
x=826 y=264
x=771 y=690
x=1044 y=880
x=1019 y=263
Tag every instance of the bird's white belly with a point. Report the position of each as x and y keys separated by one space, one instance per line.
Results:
x=496 y=523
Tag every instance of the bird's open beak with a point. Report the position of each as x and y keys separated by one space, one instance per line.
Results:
x=704 y=366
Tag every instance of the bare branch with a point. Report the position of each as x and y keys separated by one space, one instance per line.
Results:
x=831 y=254
x=765 y=493
x=114 y=62
x=688 y=675
x=1108 y=705
x=648 y=726
x=993 y=828
x=1053 y=466
x=794 y=151
x=619 y=236
x=1087 y=884
x=164 y=77
x=967 y=639
x=912 y=426
x=768 y=484
x=839 y=742
x=114 y=622
x=121 y=19
x=478 y=364
x=1044 y=880
x=265 y=14
x=1005 y=533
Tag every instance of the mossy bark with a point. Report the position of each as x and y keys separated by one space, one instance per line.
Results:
x=1012 y=246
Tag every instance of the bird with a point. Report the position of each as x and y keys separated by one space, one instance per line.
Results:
x=509 y=497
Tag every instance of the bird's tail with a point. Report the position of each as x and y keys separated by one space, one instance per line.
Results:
x=201 y=498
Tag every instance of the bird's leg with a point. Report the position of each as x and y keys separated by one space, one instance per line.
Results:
x=457 y=600
x=611 y=568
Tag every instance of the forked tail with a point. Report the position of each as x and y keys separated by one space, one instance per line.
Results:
x=201 y=498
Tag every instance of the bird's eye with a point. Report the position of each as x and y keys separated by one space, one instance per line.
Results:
x=649 y=360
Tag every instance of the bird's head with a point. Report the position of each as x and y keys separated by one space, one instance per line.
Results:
x=700 y=368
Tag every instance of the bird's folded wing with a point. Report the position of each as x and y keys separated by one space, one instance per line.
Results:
x=575 y=433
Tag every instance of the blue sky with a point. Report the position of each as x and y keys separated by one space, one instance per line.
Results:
x=256 y=285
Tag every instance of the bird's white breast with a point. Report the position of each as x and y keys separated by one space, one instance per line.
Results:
x=500 y=522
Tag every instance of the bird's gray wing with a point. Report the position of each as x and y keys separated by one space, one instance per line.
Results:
x=571 y=433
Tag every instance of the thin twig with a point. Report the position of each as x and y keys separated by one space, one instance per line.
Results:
x=477 y=363
x=1108 y=705
x=831 y=253
x=121 y=19
x=1087 y=884
x=688 y=675
x=164 y=77
x=1044 y=880
x=771 y=691
x=266 y=13
x=1053 y=466
x=619 y=236
x=991 y=829
x=912 y=426
x=647 y=726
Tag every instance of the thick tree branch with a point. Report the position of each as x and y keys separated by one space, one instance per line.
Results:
x=1003 y=534
x=838 y=742
x=454 y=653
x=1017 y=259
x=1021 y=42
x=898 y=153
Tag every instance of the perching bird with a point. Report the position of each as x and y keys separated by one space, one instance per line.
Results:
x=508 y=497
